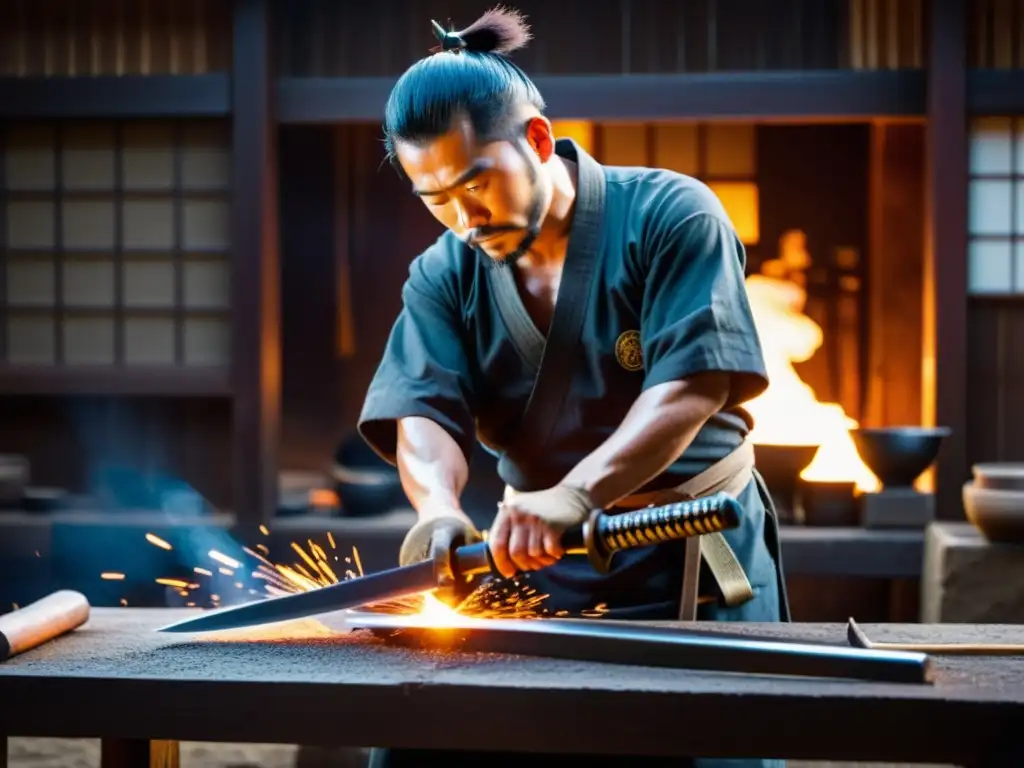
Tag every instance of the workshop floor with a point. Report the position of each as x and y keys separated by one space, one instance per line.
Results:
x=73 y=753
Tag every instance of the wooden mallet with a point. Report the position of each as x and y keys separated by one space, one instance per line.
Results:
x=26 y=628
x=856 y=637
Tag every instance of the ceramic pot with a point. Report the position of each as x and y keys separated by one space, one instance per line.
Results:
x=997 y=514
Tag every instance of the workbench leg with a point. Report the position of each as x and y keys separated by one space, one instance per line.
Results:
x=138 y=753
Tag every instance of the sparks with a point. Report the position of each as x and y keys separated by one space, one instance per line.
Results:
x=173 y=583
x=202 y=571
x=112 y=576
x=224 y=559
x=156 y=541
x=264 y=531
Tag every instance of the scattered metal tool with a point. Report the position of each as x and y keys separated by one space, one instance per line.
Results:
x=621 y=642
x=26 y=628
x=858 y=639
x=599 y=538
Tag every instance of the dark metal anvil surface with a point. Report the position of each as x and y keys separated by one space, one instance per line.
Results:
x=301 y=685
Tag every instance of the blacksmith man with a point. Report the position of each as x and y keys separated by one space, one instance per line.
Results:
x=587 y=324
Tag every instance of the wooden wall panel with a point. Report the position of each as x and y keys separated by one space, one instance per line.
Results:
x=895 y=282
x=114 y=37
x=996 y=34
x=323 y=38
x=995 y=427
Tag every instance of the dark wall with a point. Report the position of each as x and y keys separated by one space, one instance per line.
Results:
x=815 y=178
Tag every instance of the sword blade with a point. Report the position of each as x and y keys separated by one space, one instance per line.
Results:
x=364 y=590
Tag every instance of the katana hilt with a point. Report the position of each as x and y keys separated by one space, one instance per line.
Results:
x=604 y=534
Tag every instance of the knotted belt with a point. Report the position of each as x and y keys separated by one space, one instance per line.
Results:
x=729 y=475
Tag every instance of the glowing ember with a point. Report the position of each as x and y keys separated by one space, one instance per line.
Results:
x=112 y=576
x=789 y=412
x=155 y=540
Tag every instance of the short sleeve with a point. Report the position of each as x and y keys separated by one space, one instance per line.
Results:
x=424 y=371
x=696 y=315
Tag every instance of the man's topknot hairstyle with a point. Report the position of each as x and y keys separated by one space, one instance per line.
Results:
x=467 y=74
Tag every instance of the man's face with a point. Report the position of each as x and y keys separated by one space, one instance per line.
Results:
x=492 y=195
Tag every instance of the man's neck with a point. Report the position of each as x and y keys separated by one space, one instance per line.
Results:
x=548 y=250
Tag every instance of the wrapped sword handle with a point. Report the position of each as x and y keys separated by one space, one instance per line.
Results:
x=603 y=535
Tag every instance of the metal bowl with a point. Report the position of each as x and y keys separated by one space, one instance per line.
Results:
x=898 y=455
x=997 y=514
x=999 y=477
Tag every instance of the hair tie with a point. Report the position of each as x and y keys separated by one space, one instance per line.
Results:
x=450 y=41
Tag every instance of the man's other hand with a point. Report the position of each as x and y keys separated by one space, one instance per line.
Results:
x=527 y=531
x=437 y=532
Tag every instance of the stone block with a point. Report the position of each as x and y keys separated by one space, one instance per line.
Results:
x=966 y=579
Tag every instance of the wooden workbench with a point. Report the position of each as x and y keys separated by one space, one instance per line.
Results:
x=118 y=680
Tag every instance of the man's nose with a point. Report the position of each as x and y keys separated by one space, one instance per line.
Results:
x=470 y=216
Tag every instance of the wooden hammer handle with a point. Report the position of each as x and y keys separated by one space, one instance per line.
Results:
x=41 y=621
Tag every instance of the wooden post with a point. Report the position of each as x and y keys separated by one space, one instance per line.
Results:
x=138 y=753
x=945 y=337
x=256 y=363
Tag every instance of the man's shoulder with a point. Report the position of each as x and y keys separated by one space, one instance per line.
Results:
x=660 y=197
x=441 y=269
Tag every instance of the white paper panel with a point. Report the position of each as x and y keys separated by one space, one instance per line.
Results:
x=149 y=283
x=88 y=224
x=30 y=340
x=89 y=282
x=88 y=156
x=30 y=224
x=88 y=340
x=148 y=224
x=988 y=267
x=206 y=224
x=1019 y=256
x=30 y=162
x=207 y=283
x=149 y=340
x=30 y=282
x=206 y=156
x=990 y=212
x=991 y=140
x=148 y=156
x=207 y=341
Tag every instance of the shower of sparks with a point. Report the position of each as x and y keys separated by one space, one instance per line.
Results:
x=316 y=566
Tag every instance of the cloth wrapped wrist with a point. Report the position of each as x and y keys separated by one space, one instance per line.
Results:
x=433 y=533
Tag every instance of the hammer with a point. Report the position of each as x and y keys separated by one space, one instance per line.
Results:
x=26 y=628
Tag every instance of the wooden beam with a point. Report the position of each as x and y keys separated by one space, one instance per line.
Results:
x=125 y=96
x=839 y=94
x=995 y=91
x=255 y=274
x=944 y=397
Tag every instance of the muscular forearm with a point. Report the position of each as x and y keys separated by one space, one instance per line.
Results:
x=661 y=424
x=431 y=466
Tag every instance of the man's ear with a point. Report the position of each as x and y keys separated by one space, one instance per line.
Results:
x=541 y=137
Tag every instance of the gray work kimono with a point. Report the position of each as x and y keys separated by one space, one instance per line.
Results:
x=652 y=291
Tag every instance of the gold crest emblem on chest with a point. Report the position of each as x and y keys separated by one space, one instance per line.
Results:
x=628 y=351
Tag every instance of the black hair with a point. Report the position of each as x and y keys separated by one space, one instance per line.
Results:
x=467 y=74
